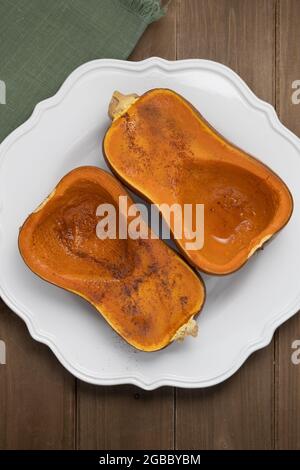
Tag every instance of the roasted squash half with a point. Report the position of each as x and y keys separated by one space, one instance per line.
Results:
x=144 y=290
x=161 y=147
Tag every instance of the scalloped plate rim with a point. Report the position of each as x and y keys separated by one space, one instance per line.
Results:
x=139 y=380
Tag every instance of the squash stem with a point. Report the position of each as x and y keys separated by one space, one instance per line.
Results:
x=120 y=103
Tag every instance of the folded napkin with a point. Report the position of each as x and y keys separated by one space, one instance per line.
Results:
x=43 y=41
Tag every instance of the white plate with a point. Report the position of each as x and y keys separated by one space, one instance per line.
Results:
x=242 y=310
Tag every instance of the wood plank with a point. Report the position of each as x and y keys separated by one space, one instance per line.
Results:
x=37 y=396
x=238 y=413
x=288 y=374
x=125 y=417
x=159 y=39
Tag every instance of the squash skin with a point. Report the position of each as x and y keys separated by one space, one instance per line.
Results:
x=133 y=150
x=142 y=288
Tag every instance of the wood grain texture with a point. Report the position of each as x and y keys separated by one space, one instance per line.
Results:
x=37 y=402
x=288 y=374
x=159 y=39
x=259 y=407
x=125 y=417
x=237 y=414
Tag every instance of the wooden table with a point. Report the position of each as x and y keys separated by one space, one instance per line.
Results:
x=43 y=407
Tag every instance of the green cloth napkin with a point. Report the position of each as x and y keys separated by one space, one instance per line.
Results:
x=43 y=41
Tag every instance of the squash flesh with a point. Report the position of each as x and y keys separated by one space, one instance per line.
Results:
x=164 y=149
x=144 y=290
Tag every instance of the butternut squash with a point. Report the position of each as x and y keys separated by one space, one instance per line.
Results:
x=142 y=288
x=160 y=146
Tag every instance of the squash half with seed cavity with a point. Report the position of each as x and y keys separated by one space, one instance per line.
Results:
x=160 y=146
x=143 y=289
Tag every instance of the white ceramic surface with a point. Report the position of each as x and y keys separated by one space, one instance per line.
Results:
x=65 y=131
